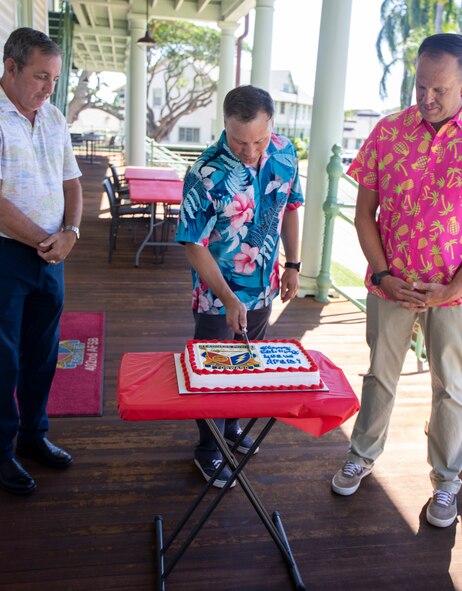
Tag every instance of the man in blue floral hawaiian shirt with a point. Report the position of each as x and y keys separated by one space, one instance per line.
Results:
x=240 y=197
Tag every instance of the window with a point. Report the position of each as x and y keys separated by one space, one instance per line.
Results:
x=188 y=134
x=157 y=97
x=283 y=108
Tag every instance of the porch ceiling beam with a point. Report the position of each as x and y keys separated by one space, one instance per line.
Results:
x=201 y=5
x=236 y=9
x=100 y=31
x=80 y=14
x=189 y=11
x=90 y=8
x=104 y=3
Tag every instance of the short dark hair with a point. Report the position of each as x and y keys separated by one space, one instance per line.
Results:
x=436 y=45
x=245 y=102
x=21 y=43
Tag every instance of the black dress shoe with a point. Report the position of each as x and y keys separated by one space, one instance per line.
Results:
x=14 y=479
x=44 y=452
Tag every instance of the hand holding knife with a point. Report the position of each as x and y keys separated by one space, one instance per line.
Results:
x=246 y=338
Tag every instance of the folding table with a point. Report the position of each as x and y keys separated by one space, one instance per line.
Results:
x=91 y=140
x=148 y=391
x=153 y=186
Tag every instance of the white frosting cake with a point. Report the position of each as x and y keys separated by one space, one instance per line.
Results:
x=213 y=366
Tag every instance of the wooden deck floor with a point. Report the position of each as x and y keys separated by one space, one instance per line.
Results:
x=91 y=527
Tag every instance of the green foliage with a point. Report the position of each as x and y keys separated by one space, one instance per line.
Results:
x=405 y=24
x=349 y=114
x=344 y=277
x=185 y=55
x=300 y=146
x=177 y=41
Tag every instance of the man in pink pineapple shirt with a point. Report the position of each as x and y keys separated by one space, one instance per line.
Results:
x=410 y=171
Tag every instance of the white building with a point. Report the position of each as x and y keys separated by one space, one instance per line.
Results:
x=293 y=106
x=356 y=129
x=292 y=112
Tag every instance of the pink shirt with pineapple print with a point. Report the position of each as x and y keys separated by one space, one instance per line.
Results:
x=418 y=175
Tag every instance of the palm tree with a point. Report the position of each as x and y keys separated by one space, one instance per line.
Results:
x=405 y=23
x=449 y=246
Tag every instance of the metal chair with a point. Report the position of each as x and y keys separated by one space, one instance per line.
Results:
x=122 y=213
x=119 y=182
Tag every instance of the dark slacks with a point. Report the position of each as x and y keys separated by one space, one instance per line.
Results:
x=31 y=303
x=209 y=327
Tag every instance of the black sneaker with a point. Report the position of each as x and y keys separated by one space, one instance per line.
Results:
x=209 y=466
x=244 y=445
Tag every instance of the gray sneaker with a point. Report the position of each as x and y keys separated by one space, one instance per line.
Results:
x=442 y=509
x=347 y=480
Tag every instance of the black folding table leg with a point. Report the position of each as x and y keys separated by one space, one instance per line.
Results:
x=210 y=507
x=160 y=578
x=276 y=530
x=299 y=584
x=274 y=527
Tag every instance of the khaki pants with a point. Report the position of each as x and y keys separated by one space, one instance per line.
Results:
x=389 y=332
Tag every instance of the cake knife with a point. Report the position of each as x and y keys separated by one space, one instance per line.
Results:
x=246 y=338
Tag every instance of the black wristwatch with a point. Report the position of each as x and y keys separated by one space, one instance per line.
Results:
x=376 y=278
x=295 y=266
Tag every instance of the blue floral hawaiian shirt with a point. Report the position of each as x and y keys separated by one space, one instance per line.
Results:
x=236 y=211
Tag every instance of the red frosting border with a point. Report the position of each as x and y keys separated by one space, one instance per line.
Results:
x=190 y=345
x=269 y=389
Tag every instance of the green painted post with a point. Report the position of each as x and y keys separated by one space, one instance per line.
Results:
x=419 y=345
x=331 y=209
x=63 y=36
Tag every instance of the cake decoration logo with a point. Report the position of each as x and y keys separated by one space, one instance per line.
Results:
x=70 y=354
x=227 y=359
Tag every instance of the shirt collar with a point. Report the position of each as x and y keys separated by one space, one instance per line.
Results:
x=458 y=118
x=223 y=147
x=6 y=106
x=418 y=119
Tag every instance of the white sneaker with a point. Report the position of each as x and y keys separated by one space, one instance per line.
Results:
x=442 y=509
x=347 y=480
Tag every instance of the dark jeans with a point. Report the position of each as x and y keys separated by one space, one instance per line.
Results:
x=209 y=327
x=31 y=302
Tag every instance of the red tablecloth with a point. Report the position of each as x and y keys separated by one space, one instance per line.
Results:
x=150 y=173
x=156 y=191
x=147 y=391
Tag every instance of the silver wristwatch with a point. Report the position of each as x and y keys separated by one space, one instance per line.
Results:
x=75 y=229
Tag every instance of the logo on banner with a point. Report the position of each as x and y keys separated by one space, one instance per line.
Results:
x=71 y=354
